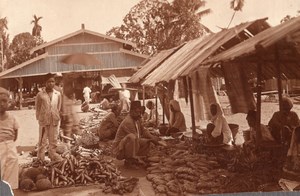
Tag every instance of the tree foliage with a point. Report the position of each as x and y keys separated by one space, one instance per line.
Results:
x=236 y=5
x=157 y=24
x=21 y=46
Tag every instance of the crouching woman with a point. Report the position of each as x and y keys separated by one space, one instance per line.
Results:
x=218 y=130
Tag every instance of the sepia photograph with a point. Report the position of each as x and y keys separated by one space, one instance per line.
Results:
x=149 y=97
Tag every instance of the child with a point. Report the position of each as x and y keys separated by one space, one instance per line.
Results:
x=8 y=135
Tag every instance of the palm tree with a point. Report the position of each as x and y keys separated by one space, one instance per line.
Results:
x=3 y=24
x=36 y=30
x=3 y=41
x=236 y=5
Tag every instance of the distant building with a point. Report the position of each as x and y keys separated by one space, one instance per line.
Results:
x=114 y=54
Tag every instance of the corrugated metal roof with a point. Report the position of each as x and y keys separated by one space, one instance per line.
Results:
x=80 y=32
x=189 y=57
x=41 y=65
x=265 y=38
x=154 y=62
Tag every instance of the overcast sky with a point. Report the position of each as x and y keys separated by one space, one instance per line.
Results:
x=61 y=17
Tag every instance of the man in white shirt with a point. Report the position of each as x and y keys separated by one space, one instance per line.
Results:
x=86 y=94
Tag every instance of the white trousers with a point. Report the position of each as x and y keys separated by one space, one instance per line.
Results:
x=9 y=163
x=49 y=133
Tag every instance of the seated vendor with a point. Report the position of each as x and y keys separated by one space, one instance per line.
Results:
x=132 y=141
x=145 y=115
x=283 y=122
x=265 y=135
x=293 y=156
x=218 y=130
x=151 y=120
x=177 y=120
x=109 y=124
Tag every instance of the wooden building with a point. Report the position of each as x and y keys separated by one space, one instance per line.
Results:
x=114 y=54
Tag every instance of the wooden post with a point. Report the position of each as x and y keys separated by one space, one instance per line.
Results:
x=192 y=107
x=143 y=95
x=279 y=81
x=258 y=103
x=156 y=101
x=259 y=52
x=20 y=86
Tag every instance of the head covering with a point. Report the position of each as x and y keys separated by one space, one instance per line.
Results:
x=175 y=105
x=135 y=104
x=4 y=91
x=287 y=103
x=219 y=111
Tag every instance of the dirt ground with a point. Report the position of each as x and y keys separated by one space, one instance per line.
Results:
x=28 y=137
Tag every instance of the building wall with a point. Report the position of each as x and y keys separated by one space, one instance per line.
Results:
x=106 y=51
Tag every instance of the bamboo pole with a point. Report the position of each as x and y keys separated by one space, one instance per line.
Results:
x=259 y=52
x=143 y=95
x=192 y=107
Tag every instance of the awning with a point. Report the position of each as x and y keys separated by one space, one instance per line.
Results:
x=152 y=64
x=289 y=30
x=191 y=55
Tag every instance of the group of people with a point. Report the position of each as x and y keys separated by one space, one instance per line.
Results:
x=131 y=137
x=280 y=128
x=54 y=108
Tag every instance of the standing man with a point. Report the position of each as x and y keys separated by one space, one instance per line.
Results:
x=8 y=152
x=86 y=94
x=48 y=105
